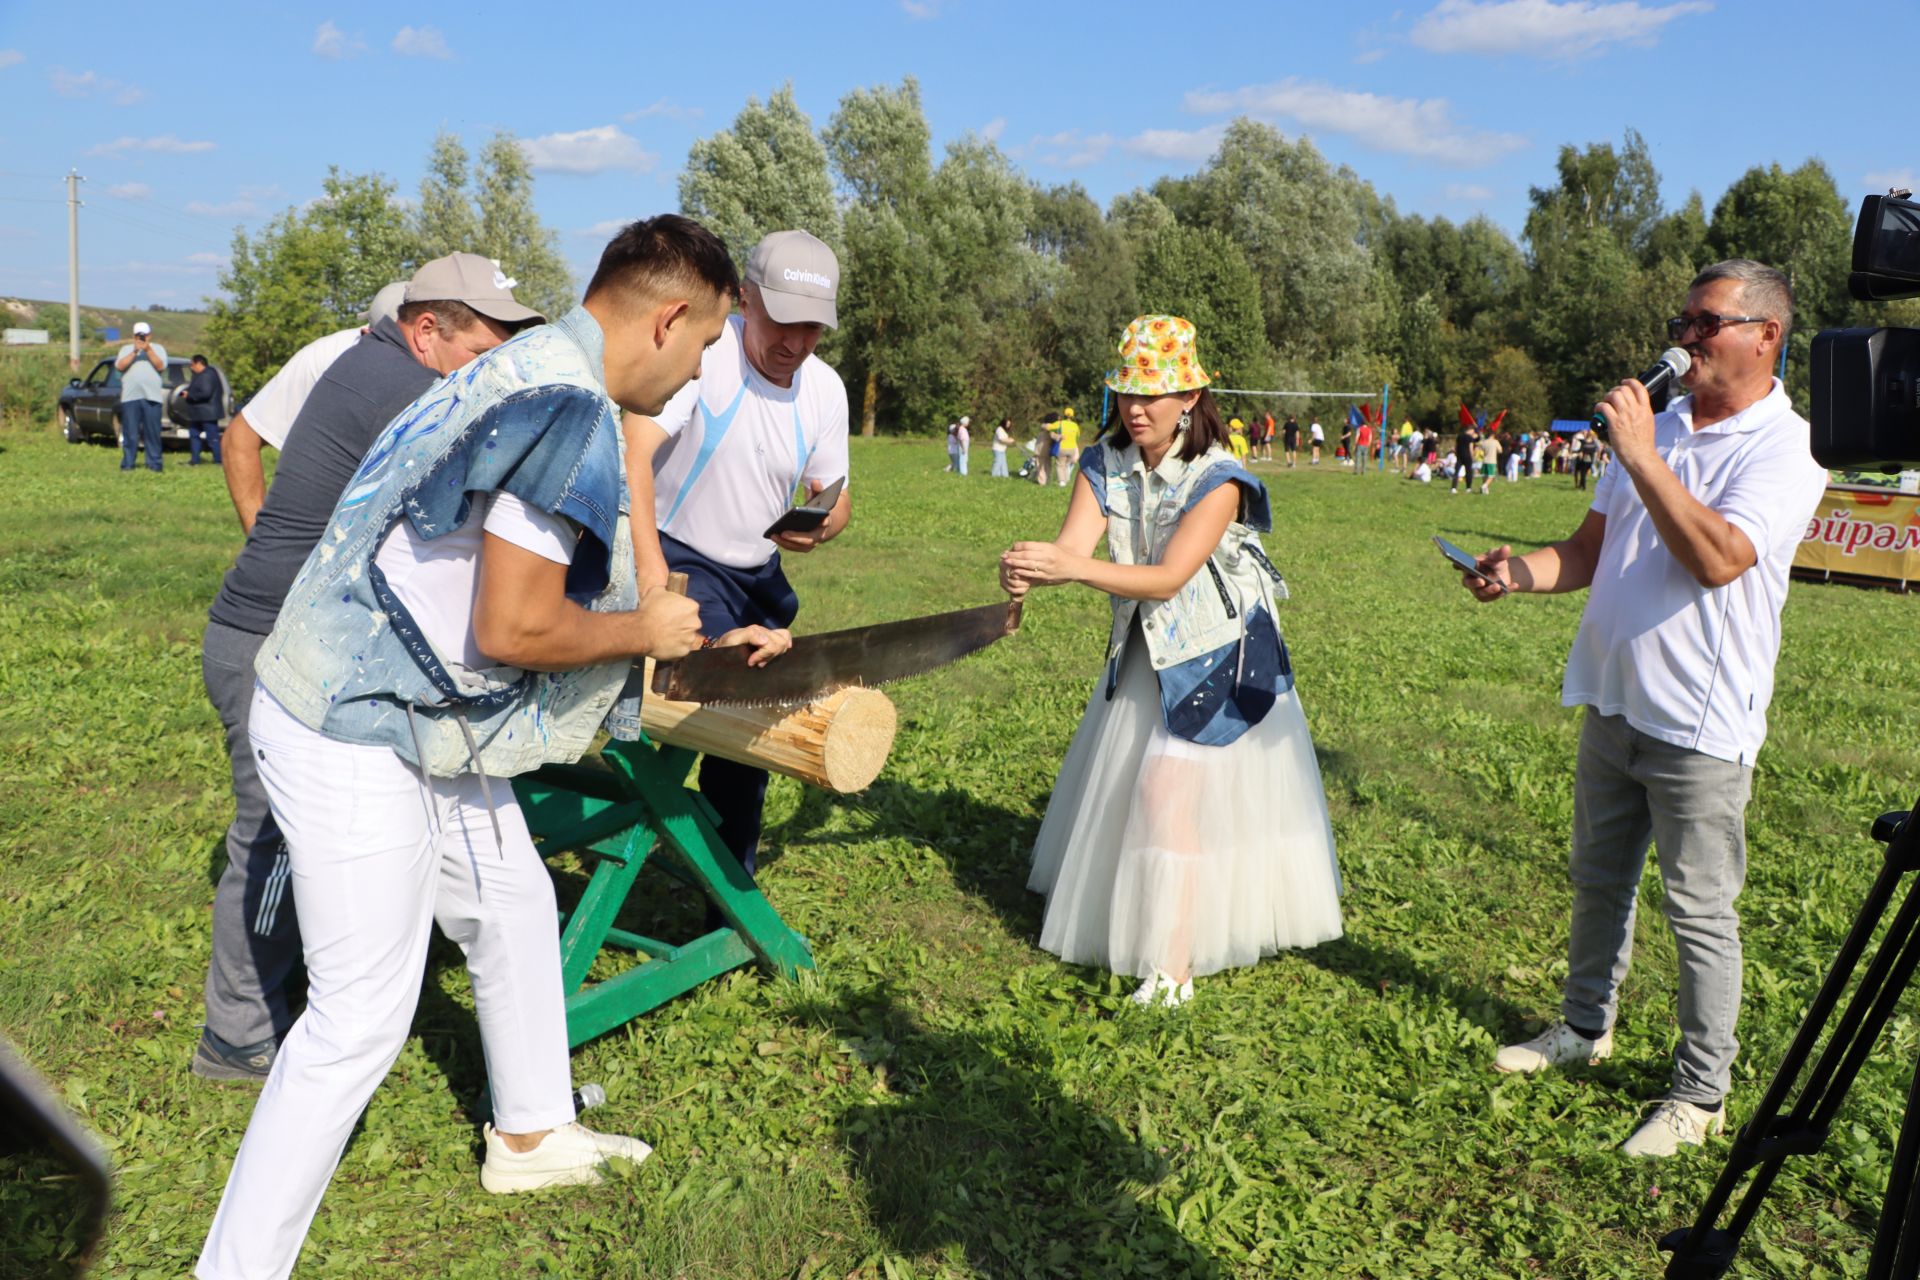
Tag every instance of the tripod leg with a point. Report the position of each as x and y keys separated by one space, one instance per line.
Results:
x=1704 y=1251
x=1896 y=1241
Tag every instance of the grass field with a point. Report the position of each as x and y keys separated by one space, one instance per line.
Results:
x=941 y=1098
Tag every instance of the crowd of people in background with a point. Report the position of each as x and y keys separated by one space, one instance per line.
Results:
x=1472 y=458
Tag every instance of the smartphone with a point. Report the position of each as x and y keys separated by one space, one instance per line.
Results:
x=809 y=515
x=1464 y=562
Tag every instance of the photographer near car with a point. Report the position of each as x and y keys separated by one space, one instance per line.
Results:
x=143 y=366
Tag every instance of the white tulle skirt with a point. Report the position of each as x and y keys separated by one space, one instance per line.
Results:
x=1159 y=853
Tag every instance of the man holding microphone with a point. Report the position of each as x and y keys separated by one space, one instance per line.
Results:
x=1685 y=554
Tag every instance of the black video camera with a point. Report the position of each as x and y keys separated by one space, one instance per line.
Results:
x=1866 y=382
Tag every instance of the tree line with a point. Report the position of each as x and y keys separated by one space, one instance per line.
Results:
x=967 y=287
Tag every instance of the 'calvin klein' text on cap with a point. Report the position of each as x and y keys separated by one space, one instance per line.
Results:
x=798 y=278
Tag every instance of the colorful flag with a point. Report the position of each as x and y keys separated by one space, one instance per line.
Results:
x=1467 y=419
x=1498 y=418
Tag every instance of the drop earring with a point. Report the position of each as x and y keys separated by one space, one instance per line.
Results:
x=1186 y=419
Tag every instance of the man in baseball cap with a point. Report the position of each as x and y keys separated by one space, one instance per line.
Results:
x=322 y=411
x=765 y=417
x=477 y=282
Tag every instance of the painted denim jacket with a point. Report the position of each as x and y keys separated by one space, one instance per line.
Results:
x=1215 y=644
x=530 y=417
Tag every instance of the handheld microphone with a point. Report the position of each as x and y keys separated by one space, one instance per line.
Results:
x=1674 y=362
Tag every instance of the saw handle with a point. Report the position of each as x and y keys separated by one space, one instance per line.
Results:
x=663 y=671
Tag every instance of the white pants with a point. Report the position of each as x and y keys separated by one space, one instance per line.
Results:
x=378 y=856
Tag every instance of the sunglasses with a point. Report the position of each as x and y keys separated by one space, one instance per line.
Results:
x=1705 y=325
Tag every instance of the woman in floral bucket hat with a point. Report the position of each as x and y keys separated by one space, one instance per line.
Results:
x=1188 y=830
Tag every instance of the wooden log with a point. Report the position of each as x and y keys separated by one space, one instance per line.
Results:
x=839 y=742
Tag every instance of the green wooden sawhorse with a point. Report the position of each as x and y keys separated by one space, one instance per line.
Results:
x=616 y=816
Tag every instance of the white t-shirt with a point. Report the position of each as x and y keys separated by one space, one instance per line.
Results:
x=274 y=407
x=738 y=447
x=1317 y=434
x=1684 y=663
x=1001 y=439
x=439 y=581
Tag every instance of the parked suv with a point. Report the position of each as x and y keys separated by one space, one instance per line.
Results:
x=88 y=407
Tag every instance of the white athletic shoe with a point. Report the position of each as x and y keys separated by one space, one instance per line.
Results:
x=1164 y=991
x=570 y=1155
x=1672 y=1123
x=1558 y=1046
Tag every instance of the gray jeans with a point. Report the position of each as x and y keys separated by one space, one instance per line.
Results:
x=1630 y=790
x=256 y=940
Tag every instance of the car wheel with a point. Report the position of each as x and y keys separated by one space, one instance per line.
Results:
x=71 y=428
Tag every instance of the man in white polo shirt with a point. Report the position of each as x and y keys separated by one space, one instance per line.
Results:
x=1685 y=552
x=722 y=462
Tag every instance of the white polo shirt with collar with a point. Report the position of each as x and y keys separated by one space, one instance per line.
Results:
x=1688 y=664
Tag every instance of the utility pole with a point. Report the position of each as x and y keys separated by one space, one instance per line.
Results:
x=73 y=269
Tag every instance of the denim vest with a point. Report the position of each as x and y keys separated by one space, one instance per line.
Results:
x=1215 y=644
x=532 y=418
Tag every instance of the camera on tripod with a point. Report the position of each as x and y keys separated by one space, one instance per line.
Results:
x=1866 y=382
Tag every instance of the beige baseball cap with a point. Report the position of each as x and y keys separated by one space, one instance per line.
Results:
x=798 y=278
x=142 y=329
x=479 y=282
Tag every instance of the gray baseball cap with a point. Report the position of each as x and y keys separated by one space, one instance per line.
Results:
x=798 y=278
x=386 y=303
x=479 y=282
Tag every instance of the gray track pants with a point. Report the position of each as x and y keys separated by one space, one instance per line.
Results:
x=1631 y=790
x=256 y=939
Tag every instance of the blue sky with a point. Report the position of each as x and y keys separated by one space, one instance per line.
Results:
x=216 y=115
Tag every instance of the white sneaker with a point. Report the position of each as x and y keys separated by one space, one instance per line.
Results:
x=1672 y=1123
x=570 y=1155
x=1164 y=991
x=1558 y=1046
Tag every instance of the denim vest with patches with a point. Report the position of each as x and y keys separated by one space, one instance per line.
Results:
x=1215 y=645
x=531 y=418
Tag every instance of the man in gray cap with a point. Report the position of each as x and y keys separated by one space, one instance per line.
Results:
x=722 y=461
x=455 y=308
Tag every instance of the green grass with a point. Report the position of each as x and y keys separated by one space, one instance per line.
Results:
x=941 y=1098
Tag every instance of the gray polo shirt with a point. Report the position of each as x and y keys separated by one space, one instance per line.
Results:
x=141 y=381
x=354 y=400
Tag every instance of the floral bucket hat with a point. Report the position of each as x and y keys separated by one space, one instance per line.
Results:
x=1157 y=358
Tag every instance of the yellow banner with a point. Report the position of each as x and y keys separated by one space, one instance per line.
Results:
x=1864 y=532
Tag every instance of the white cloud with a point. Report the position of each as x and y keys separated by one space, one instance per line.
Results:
x=166 y=143
x=88 y=84
x=207 y=259
x=1068 y=149
x=1190 y=145
x=1367 y=56
x=421 y=42
x=671 y=111
x=1892 y=180
x=596 y=150
x=1423 y=128
x=1470 y=191
x=130 y=191
x=330 y=41
x=925 y=10
x=604 y=230
x=993 y=128
x=1545 y=28
x=230 y=209
x=11 y=58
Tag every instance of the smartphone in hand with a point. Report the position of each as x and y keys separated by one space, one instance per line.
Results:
x=1465 y=563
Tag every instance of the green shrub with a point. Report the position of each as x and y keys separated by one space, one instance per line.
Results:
x=30 y=382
